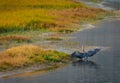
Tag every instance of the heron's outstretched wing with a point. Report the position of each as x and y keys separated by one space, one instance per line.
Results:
x=77 y=54
x=86 y=54
x=93 y=52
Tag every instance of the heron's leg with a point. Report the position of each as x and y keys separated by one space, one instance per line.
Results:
x=83 y=59
x=86 y=58
x=80 y=59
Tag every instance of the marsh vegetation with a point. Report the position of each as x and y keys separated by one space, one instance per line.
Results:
x=24 y=16
x=54 y=15
x=26 y=55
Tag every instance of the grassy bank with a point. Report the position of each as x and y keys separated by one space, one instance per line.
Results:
x=26 y=55
x=25 y=16
x=54 y=15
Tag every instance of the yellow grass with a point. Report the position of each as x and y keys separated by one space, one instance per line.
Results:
x=43 y=14
x=28 y=54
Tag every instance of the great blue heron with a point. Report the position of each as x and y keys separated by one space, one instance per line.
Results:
x=85 y=55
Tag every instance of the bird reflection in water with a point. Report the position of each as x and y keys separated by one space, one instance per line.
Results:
x=85 y=64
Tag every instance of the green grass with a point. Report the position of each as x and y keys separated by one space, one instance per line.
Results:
x=96 y=1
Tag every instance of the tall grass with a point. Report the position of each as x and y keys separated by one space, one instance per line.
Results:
x=52 y=4
x=16 y=15
x=25 y=55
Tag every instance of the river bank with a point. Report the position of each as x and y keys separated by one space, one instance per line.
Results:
x=66 y=45
x=101 y=68
x=55 y=38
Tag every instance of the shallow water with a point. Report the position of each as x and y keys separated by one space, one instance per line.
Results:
x=105 y=4
x=112 y=3
x=102 y=68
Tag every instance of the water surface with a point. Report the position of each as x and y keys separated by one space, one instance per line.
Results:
x=115 y=4
x=102 y=68
x=105 y=4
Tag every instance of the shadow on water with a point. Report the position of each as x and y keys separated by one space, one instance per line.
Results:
x=85 y=64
